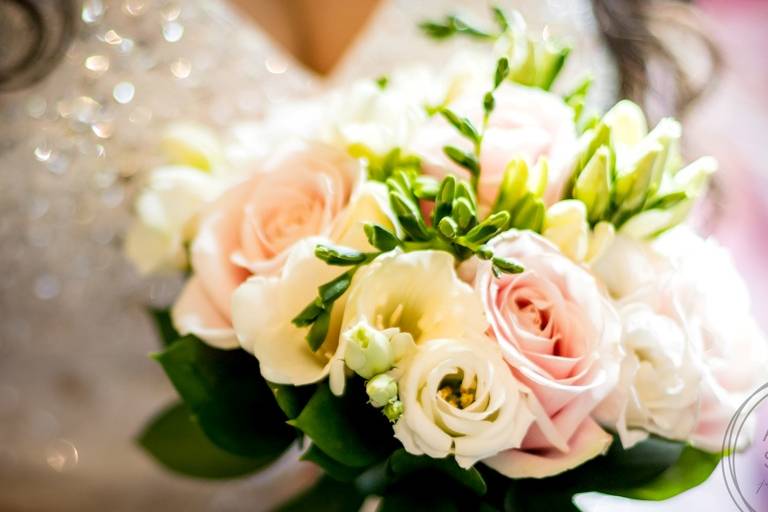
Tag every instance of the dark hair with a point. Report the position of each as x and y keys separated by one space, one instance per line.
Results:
x=34 y=34
x=632 y=31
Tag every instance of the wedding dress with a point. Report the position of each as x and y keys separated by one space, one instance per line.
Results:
x=76 y=385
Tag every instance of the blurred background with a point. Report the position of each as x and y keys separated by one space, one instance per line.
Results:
x=86 y=86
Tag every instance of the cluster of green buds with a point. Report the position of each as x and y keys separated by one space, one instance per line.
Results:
x=534 y=61
x=521 y=194
x=633 y=178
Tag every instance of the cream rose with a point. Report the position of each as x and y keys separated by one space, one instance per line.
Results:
x=459 y=399
x=559 y=335
x=308 y=190
x=527 y=122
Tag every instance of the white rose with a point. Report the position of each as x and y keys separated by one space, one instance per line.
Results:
x=694 y=352
x=166 y=215
x=460 y=399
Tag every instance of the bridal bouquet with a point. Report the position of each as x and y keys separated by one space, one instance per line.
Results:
x=453 y=289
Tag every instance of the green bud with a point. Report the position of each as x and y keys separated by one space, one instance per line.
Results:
x=465 y=159
x=591 y=140
x=490 y=227
x=507 y=266
x=484 y=253
x=464 y=213
x=631 y=184
x=462 y=124
x=550 y=59
x=538 y=177
x=529 y=214
x=502 y=71
x=409 y=215
x=525 y=71
x=444 y=199
x=489 y=103
x=593 y=186
x=381 y=390
x=319 y=330
x=337 y=255
x=513 y=185
x=368 y=350
x=308 y=315
x=448 y=228
x=393 y=410
x=425 y=187
x=380 y=237
x=335 y=288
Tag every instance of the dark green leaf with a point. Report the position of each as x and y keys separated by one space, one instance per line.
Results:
x=335 y=288
x=319 y=330
x=380 y=237
x=462 y=158
x=413 y=500
x=308 y=315
x=175 y=440
x=231 y=401
x=346 y=428
x=691 y=469
x=402 y=463
x=337 y=255
x=291 y=399
x=327 y=495
x=164 y=325
x=334 y=468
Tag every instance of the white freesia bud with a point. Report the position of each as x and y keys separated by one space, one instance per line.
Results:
x=193 y=145
x=566 y=226
x=593 y=186
x=381 y=389
x=368 y=351
x=459 y=398
x=627 y=124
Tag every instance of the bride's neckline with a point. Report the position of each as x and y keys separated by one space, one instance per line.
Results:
x=297 y=41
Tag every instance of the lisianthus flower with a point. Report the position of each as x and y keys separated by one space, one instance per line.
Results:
x=460 y=399
x=693 y=350
x=308 y=190
x=559 y=335
x=526 y=123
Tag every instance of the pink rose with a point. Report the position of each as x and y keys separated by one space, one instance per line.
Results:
x=526 y=122
x=251 y=228
x=559 y=336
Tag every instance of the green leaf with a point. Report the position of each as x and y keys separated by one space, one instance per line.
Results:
x=332 y=467
x=335 y=288
x=462 y=158
x=176 y=441
x=402 y=463
x=231 y=401
x=411 y=499
x=691 y=469
x=337 y=255
x=346 y=428
x=380 y=237
x=291 y=399
x=319 y=330
x=164 y=325
x=327 y=495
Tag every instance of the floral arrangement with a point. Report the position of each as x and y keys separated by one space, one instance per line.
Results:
x=456 y=289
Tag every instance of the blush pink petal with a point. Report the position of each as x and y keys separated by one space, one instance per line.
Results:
x=588 y=441
x=194 y=313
